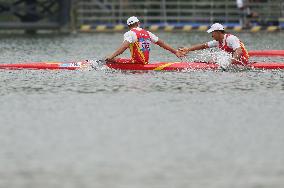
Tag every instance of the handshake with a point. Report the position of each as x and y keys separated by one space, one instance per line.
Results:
x=181 y=52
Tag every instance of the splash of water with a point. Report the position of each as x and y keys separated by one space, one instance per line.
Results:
x=96 y=64
x=215 y=56
x=223 y=59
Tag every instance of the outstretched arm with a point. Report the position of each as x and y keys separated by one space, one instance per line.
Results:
x=166 y=46
x=185 y=50
x=119 y=51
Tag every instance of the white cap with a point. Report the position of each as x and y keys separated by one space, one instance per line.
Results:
x=216 y=27
x=132 y=20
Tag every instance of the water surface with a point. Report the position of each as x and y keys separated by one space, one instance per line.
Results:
x=158 y=129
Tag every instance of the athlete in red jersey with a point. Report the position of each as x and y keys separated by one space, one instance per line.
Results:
x=138 y=41
x=226 y=42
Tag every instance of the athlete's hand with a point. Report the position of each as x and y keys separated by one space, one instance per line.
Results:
x=108 y=58
x=179 y=54
x=183 y=50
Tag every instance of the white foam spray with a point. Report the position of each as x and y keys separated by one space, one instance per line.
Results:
x=223 y=59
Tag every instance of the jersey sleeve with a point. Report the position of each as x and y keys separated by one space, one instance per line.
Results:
x=233 y=42
x=213 y=44
x=153 y=37
x=130 y=36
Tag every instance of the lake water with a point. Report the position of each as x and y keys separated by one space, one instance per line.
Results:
x=106 y=128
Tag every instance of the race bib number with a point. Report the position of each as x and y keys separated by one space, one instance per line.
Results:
x=145 y=44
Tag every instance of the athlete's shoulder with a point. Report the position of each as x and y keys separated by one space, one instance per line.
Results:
x=232 y=37
x=137 y=29
x=233 y=42
x=129 y=36
x=130 y=32
x=149 y=32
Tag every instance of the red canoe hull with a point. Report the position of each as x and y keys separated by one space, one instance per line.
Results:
x=46 y=65
x=158 y=66
x=123 y=64
x=267 y=65
x=163 y=66
x=267 y=53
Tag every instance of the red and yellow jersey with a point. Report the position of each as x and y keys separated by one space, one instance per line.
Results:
x=226 y=48
x=140 y=49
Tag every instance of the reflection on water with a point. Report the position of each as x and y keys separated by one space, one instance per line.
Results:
x=104 y=128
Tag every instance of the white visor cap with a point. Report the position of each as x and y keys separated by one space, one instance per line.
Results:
x=132 y=20
x=216 y=27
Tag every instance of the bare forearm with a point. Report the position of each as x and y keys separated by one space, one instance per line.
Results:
x=166 y=46
x=197 y=47
x=120 y=50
